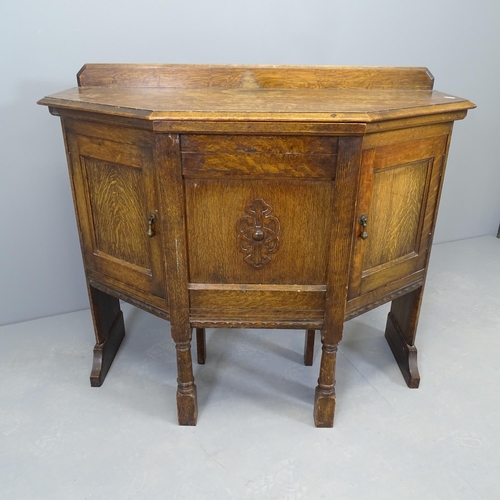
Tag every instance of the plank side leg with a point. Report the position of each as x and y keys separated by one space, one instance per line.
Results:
x=309 y=347
x=400 y=333
x=324 y=397
x=109 y=331
x=201 y=345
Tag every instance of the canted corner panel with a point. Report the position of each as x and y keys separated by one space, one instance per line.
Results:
x=114 y=193
x=399 y=188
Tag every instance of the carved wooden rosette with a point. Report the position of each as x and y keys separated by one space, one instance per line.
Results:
x=258 y=233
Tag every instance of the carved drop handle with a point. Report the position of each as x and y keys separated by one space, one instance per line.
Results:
x=363 y=220
x=151 y=219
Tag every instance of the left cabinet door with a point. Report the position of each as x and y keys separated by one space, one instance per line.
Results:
x=113 y=178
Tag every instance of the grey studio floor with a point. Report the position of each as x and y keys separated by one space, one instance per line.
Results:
x=255 y=439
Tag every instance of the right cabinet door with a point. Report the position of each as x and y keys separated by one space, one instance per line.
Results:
x=399 y=193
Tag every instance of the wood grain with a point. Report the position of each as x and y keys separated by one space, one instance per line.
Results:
x=256 y=177
x=168 y=168
x=116 y=133
x=342 y=228
x=201 y=345
x=225 y=165
x=236 y=155
x=264 y=298
x=277 y=105
x=383 y=294
x=214 y=207
x=309 y=347
x=109 y=330
x=114 y=192
x=248 y=144
x=239 y=76
x=123 y=291
x=396 y=211
x=401 y=329
x=117 y=199
x=398 y=193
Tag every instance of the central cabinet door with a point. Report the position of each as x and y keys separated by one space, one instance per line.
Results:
x=258 y=212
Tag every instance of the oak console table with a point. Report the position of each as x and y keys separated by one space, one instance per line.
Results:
x=256 y=197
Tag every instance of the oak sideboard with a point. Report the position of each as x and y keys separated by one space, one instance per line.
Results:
x=256 y=197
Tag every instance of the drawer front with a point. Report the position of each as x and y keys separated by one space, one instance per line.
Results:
x=243 y=155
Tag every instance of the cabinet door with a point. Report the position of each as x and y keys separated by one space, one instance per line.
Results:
x=257 y=226
x=116 y=203
x=399 y=192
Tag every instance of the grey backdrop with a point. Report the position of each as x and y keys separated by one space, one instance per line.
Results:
x=45 y=42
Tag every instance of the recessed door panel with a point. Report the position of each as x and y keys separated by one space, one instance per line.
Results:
x=117 y=199
x=258 y=231
x=395 y=213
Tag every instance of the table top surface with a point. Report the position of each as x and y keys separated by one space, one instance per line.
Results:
x=332 y=105
x=331 y=94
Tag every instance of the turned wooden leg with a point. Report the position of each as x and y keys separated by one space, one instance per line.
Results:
x=201 y=345
x=400 y=333
x=187 y=407
x=109 y=331
x=309 y=347
x=324 y=397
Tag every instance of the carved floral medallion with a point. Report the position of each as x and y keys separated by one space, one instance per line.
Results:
x=258 y=233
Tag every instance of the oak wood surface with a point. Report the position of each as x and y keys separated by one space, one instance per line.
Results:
x=214 y=207
x=231 y=196
x=167 y=154
x=341 y=240
x=309 y=347
x=330 y=105
x=114 y=191
x=400 y=180
x=236 y=76
x=201 y=345
x=401 y=329
x=109 y=331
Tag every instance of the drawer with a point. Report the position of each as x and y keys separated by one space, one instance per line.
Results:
x=263 y=156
